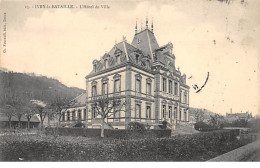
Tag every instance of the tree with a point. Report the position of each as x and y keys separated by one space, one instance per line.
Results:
x=9 y=112
x=106 y=106
x=199 y=115
x=60 y=105
x=10 y=102
x=216 y=121
x=40 y=109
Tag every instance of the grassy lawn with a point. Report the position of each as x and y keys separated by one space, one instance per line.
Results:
x=39 y=147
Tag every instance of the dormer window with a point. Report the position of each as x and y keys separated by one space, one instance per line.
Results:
x=137 y=58
x=148 y=64
x=117 y=55
x=105 y=63
x=117 y=58
x=95 y=67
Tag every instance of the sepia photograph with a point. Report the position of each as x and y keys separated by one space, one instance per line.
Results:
x=130 y=81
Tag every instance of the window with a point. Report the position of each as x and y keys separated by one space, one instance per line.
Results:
x=94 y=114
x=117 y=113
x=63 y=116
x=180 y=115
x=73 y=115
x=117 y=58
x=185 y=97
x=170 y=86
x=104 y=88
x=148 y=112
x=137 y=58
x=105 y=64
x=175 y=112
x=185 y=115
x=117 y=85
x=164 y=84
x=164 y=111
x=85 y=114
x=79 y=115
x=148 y=64
x=170 y=111
x=148 y=89
x=138 y=111
x=68 y=115
x=181 y=96
x=175 y=88
x=138 y=86
x=94 y=90
x=95 y=67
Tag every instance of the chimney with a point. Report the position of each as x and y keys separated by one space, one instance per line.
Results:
x=230 y=110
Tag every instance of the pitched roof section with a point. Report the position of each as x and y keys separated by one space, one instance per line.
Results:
x=145 y=41
x=80 y=100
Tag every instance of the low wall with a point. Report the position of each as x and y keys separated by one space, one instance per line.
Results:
x=238 y=154
x=122 y=134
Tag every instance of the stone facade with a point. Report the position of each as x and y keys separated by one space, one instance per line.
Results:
x=142 y=74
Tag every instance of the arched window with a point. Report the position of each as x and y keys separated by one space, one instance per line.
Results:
x=68 y=115
x=79 y=115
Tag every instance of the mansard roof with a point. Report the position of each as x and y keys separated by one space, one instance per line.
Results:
x=146 y=41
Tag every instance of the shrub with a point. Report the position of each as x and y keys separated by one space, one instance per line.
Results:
x=136 y=126
x=117 y=134
x=196 y=147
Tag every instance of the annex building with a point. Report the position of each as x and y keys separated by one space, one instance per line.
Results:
x=143 y=74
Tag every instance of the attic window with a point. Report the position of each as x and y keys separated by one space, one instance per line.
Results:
x=95 y=67
x=117 y=58
x=105 y=64
x=137 y=58
x=148 y=63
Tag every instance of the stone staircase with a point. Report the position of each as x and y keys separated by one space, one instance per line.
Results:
x=183 y=128
x=97 y=123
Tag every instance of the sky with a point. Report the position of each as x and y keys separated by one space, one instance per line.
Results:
x=208 y=36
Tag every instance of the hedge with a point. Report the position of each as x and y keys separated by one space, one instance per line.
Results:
x=196 y=147
x=118 y=134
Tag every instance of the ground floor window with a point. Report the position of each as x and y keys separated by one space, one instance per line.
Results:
x=138 y=111
x=170 y=112
x=73 y=115
x=63 y=116
x=185 y=115
x=148 y=112
x=94 y=114
x=164 y=111
x=79 y=115
x=180 y=114
x=175 y=112
x=68 y=115
x=85 y=114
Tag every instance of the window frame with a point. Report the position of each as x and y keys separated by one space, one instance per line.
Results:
x=164 y=111
x=170 y=86
x=170 y=111
x=140 y=113
x=68 y=115
x=164 y=84
x=148 y=115
x=79 y=114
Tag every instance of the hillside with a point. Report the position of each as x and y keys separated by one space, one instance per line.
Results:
x=39 y=87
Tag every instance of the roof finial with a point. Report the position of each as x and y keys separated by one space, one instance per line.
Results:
x=136 y=26
x=124 y=38
x=152 y=25
x=146 y=22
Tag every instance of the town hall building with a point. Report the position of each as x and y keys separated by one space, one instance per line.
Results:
x=142 y=74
